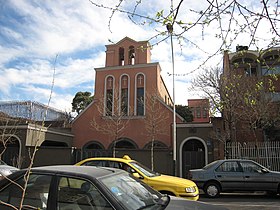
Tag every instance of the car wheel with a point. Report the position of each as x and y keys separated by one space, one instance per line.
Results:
x=212 y=189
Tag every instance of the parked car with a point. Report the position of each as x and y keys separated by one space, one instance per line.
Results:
x=86 y=188
x=6 y=170
x=165 y=184
x=235 y=175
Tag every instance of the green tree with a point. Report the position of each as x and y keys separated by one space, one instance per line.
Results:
x=185 y=112
x=81 y=101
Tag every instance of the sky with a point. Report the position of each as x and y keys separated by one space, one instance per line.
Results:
x=49 y=49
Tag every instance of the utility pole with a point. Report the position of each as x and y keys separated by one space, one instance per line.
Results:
x=169 y=27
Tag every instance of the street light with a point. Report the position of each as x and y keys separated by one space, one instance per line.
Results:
x=169 y=27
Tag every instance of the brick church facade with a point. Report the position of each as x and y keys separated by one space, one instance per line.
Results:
x=130 y=99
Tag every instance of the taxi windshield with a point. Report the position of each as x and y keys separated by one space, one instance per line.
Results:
x=145 y=170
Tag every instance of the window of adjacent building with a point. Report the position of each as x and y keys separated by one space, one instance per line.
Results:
x=271 y=63
x=198 y=112
x=248 y=64
x=270 y=70
x=124 y=95
x=251 y=71
x=121 y=56
x=205 y=112
x=140 y=94
x=193 y=111
x=131 y=55
x=109 y=103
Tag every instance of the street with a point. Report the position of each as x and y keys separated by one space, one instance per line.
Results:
x=245 y=201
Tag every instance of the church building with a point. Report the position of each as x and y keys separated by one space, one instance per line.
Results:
x=132 y=107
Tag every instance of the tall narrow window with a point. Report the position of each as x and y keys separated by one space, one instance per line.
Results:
x=124 y=95
x=198 y=112
x=121 y=56
x=131 y=55
x=205 y=112
x=109 y=103
x=140 y=95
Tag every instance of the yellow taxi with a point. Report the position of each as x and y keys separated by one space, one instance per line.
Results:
x=165 y=184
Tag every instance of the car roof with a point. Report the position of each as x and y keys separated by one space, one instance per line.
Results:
x=82 y=171
x=234 y=160
x=111 y=159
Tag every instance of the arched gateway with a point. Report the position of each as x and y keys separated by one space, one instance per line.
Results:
x=193 y=154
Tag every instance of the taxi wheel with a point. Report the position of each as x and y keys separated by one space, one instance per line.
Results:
x=212 y=190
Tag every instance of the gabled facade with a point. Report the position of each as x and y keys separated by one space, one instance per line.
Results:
x=124 y=91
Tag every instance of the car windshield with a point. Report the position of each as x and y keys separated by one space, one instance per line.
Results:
x=2 y=162
x=145 y=170
x=133 y=194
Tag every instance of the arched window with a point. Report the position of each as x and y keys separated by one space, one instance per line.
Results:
x=124 y=95
x=124 y=143
x=140 y=95
x=271 y=62
x=157 y=145
x=247 y=62
x=109 y=96
x=131 y=55
x=121 y=56
x=94 y=145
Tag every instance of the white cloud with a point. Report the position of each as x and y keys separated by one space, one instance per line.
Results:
x=77 y=31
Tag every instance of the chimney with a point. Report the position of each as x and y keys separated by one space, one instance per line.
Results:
x=241 y=48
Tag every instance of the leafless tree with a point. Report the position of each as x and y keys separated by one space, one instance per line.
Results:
x=239 y=98
x=154 y=120
x=114 y=116
x=229 y=20
x=32 y=154
x=8 y=129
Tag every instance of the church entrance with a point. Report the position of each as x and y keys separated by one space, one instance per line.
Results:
x=193 y=156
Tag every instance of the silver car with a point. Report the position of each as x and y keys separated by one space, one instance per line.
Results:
x=6 y=170
x=235 y=175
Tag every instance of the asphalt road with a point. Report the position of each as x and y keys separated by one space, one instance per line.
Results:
x=245 y=201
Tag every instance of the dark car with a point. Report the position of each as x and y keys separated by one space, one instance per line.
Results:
x=86 y=188
x=235 y=175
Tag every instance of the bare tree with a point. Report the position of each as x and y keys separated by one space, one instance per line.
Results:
x=209 y=83
x=233 y=20
x=154 y=120
x=239 y=98
x=32 y=154
x=7 y=131
x=114 y=115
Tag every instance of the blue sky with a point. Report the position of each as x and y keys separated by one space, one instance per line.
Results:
x=33 y=33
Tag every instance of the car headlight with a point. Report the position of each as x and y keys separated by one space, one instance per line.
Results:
x=190 y=189
x=5 y=172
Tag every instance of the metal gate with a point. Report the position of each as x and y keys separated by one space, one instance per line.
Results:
x=265 y=153
x=192 y=160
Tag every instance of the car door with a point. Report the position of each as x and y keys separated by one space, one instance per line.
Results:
x=254 y=178
x=230 y=175
x=37 y=193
